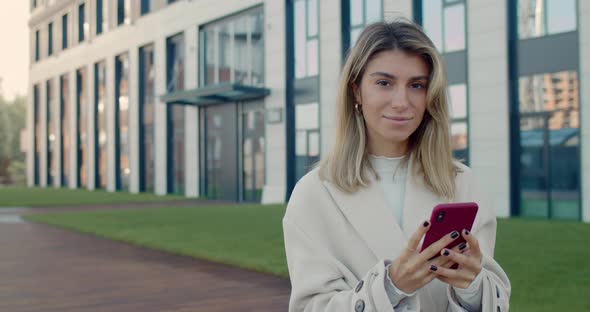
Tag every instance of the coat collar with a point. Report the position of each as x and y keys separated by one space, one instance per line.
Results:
x=369 y=214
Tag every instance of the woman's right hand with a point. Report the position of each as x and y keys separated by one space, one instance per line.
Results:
x=411 y=270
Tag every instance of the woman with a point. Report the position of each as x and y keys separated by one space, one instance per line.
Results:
x=350 y=226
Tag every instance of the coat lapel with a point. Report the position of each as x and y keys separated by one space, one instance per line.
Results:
x=370 y=216
x=368 y=213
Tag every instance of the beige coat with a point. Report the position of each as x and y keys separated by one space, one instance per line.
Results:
x=333 y=240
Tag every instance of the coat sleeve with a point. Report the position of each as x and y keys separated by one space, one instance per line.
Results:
x=317 y=284
x=496 y=286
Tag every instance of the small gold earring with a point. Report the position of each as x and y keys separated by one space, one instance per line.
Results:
x=358 y=107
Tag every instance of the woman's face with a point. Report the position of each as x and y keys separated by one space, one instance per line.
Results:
x=392 y=93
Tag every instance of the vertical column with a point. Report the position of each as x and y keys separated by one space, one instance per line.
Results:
x=110 y=113
x=160 y=122
x=487 y=53
x=42 y=106
x=91 y=135
x=274 y=190
x=134 y=119
x=584 y=33
x=330 y=64
x=30 y=161
x=72 y=116
x=191 y=137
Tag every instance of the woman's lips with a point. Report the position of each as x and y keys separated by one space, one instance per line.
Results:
x=398 y=120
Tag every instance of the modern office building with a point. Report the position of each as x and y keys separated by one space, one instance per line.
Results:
x=235 y=99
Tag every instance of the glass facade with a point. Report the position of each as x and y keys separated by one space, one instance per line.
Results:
x=444 y=21
x=547 y=131
x=82 y=126
x=52 y=121
x=50 y=39
x=64 y=104
x=82 y=26
x=37 y=50
x=123 y=167
x=549 y=145
x=101 y=18
x=147 y=95
x=234 y=50
x=363 y=13
x=537 y=18
x=307 y=107
x=65 y=37
x=174 y=82
x=101 y=134
x=123 y=12
x=37 y=135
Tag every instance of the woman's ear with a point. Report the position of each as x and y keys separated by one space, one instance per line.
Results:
x=357 y=92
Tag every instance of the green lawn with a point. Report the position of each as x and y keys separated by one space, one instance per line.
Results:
x=43 y=197
x=547 y=262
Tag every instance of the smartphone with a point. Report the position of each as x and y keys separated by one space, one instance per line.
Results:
x=446 y=218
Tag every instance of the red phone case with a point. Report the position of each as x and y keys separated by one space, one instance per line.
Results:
x=455 y=217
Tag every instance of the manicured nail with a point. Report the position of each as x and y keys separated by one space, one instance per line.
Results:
x=454 y=235
x=462 y=246
x=433 y=268
x=466 y=232
x=446 y=252
x=425 y=224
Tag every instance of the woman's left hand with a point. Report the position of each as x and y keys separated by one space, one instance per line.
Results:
x=469 y=264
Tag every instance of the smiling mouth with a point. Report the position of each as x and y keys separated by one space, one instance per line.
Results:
x=396 y=118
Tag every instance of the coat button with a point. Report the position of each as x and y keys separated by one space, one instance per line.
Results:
x=359 y=286
x=359 y=306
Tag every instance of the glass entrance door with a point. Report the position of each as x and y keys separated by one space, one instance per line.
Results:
x=253 y=147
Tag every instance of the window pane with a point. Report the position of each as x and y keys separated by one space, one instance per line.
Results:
x=52 y=121
x=224 y=52
x=82 y=126
x=531 y=18
x=147 y=97
x=241 y=33
x=354 y=35
x=257 y=53
x=454 y=28
x=561 y=16
x=356 y=12
x=307 y=116
x=300 y=40
x=432 y=21
x=458 y=97
x=65 y=129
x=312 y=18
x=122 y=98
x=312 y=58
x=459 y=135
x=210 y=57
x=374 y=11
x=549 y=92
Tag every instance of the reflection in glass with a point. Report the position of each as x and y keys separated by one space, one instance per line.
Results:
x=562 y=16
x=221 y=150
x=458 y=99
x=307 y=142
x=52 y=121
x=122 y=121
x=175 y=79
x=363 y=13
x=306 y=45
x=234 y=49
x=546 y=17
x=253 y=155
x=101 y=138
x=459 y=139
x=82 y=120
x=64 y=100
x=454 y=27
x=549 y=144
x=147 y=95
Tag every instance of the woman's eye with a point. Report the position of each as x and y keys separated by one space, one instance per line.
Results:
x=383 y=82
x=417 y=85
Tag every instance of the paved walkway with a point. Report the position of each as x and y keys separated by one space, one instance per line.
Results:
x=48 y=269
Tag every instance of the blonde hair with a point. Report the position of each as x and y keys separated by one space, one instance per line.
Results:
x=347 y=165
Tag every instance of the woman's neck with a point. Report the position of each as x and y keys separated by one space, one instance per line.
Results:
x=393 y=150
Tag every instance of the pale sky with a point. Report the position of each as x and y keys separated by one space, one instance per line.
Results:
x=14 y=47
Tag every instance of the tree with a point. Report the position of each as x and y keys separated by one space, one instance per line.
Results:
x=12 y=122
